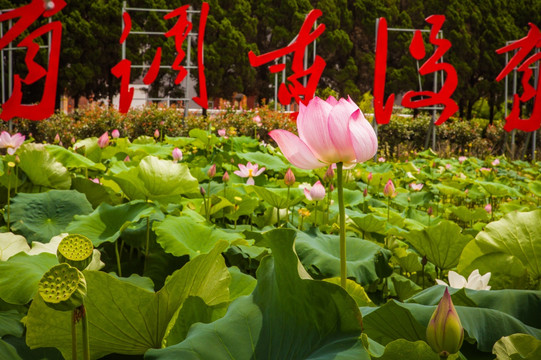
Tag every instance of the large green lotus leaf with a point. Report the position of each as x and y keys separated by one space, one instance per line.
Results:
x=96 y=193
x=107 y=222
x=40 y=216
x=517 y=347
x=368 y=223
x=498 y=189
x=241 y=284
x=275 y=197
x=508 y=272
x=154 y=149
x=520 y=304
x=288 y=316
x=442 y=244
x=72 y=159
x=126 y=319
x=8 y=352
x=320 y=254
x=154 y=179
x=266 y=160
x=181 y=235
x=11 y=244
x=396 y=320
x=41 y=167
x=535 y=188
x=449 y=190
x=351 y=197
x=90 y=148
x=10 y=323
x=516 y=234
x=19 y=276
x=404 y=349
x=354 y=290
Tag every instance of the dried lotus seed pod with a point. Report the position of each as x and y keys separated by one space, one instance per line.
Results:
x=63 y=287
x=75 y=250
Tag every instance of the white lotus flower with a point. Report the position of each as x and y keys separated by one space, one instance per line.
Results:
x=475 y=281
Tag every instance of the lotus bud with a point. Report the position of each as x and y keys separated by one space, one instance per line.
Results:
x=445 y=333
x=488 y=208
x=316 y=193
x=115 y=134
x=56 y=138
x=63 y=287
x=429 y=211
x=211 y=171
x=289 y=178
x=127 y=158
x=156 y=133
x=331 y=188
x=202 y=191
x=177 y=154
x=365 y=191
x=389 y=189
x=369 y=177
x=225 y=178
x=103 y=140
x=329 y=174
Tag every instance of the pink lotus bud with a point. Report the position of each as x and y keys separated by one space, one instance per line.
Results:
x=488 y=208
x=156 y=133
x=211 y=171
x=177 y=155
x=289 y=178
x=329 y=174
x=331 y=187
x=56 y=138
x=115 y=134
x=389 y=189
x=72 y=140
x=365 y=191
x=429 y=211
x=127 y=158
x=381 y=159
x=444 y=332
x=369 y=177
x=202 y=191
x=316 y=193
x=222 y=132
x=225 y=178
x=96 y=180
x=257 y=120
x=103 y=140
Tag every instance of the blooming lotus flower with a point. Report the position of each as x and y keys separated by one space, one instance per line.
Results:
x=316 y=193
x=289 y=177
x=249 y=171
x=115 y=134
x=461 y=159
x=222 y=132
x=444 y=332
x=257 y=120
x=488 y=208
x=475 y=281
x=389 y=189
x=177 y=155
x=381 y=159
x=416 y=187
x=330 y=132
x=496 y=162
x=12 y=143
x=448 y=166
x=103 y=140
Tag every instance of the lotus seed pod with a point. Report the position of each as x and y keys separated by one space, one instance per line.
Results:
x=75 y=250
x=63 y=287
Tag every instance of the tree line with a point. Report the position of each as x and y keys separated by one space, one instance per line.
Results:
x=92 y=29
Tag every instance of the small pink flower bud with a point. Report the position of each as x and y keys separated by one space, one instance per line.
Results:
x=488 y=208
x=389 y=189
x=444 y=332
x=316 y=193
x=329 y=174
x=369 y=177
x=289 y=178
x=115 y=134
x=156 y=133
x=202 y=191
x=365 y=191
x=429 y=211
x=225 y=178
x=211 y=171
x=103 y=140
x=56 y=138
x=127 y=158
x=177 y=154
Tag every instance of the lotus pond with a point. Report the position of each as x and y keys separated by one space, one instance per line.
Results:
x=191 y=262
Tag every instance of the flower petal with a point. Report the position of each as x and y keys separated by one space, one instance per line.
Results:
x=295 y=150
x=313 y=126
x=456 y=280
x=339 y=132
x=440 y=282
x=331 y=100
x=250 y=181
x=239 y=173
x=307 y=194
x=258 y=172
x=363 y=137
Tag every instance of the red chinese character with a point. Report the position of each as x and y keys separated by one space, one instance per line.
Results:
x=524 y=46
x=295 y=89
x=433 y=64
x=26 y=16
x=180 y=32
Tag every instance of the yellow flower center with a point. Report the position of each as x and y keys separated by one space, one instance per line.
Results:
x=250 y=171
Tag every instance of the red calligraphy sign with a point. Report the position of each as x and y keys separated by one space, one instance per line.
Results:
x=523 y=47
x=295 y=89
x=26 y=16
x=179 y=32
x=433 y=64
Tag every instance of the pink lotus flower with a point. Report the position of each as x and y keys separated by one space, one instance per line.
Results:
x=257 y=120
x=416 y=187
x=448 y=166
x=496 y=162
x=12 y=143
x=222 y=132
x=461 y=159
x=96 y=180
x=330 y=131
x=389 y=189
x=484 y=169
x=249 y=171
x=488 y=208
x=177 y=155
x=127 y=158
x=316 y=193
x=115 y=134
x=103 y=140
x=381 y=159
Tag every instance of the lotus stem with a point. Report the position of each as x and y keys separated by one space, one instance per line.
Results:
x=342 y=212
x=86 y=343
x=315 y=215
x=9 y=197
x=117 y=254
x=287 y=207
x=207 y=208
x=74 y=335
x=147 y=250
